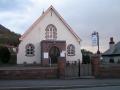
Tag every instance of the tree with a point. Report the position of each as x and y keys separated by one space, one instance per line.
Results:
x=86 y=56
x=4 y=54
x=8 y=37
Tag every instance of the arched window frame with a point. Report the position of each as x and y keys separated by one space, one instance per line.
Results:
x=71 y=50
x=51 y=32
x=30 y=50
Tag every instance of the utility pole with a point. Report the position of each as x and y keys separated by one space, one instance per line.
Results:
x=98 y=44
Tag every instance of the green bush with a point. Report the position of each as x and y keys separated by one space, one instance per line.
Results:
x=4 y=54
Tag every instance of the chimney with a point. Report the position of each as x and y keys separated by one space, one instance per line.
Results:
x=111 y=43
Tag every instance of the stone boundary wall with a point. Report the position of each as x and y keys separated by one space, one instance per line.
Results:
x=35 y=73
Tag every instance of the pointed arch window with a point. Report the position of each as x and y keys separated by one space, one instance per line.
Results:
x=71 y=50
x=51 y=32
x=30 y=50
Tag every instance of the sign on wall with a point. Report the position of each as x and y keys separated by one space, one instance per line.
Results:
x=45 y=54
x=62 y=54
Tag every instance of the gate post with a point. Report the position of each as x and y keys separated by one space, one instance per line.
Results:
x=61 y=67
x=95 y=65
x=78 y=67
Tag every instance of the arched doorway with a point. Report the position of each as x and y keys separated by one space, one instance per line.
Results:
x=54 y=53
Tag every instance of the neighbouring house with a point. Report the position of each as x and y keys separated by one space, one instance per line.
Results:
x=112 y=55
x=47 y=39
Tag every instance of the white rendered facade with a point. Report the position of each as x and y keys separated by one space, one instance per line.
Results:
x=36 y=33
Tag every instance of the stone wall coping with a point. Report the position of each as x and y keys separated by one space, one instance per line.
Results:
x=26 y=68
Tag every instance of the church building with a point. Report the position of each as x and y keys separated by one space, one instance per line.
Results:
x=48 y=39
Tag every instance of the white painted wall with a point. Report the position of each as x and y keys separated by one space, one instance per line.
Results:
x=107 y=59
x=38 y=34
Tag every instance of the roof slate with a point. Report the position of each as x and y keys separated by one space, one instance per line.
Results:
x=114 y=50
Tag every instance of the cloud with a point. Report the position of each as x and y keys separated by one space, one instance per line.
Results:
x=84 y=16
x=14 y=5
x=15 y=15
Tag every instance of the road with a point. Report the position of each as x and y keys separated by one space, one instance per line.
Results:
x=95 y=88
x=74 y=84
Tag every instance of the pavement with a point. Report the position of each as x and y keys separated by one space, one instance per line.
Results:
x=56 y=84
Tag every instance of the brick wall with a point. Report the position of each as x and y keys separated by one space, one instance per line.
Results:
x=36 y=73
x=95 y=65
x=104 y=70
x=109 y=71
x=46 y=46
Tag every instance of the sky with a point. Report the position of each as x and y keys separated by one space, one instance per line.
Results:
x=84 y=16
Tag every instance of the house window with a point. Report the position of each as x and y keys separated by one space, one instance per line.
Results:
x=111 y=60
x=71 y=50
x=51 y=32
x=30 y=50
x=118 y=61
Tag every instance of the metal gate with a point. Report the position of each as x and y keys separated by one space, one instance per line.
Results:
x=75 y=69
x=72 y=69
x=85 y=70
